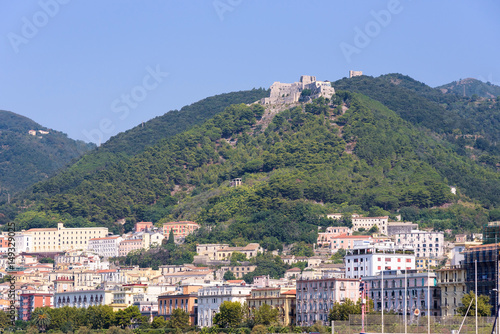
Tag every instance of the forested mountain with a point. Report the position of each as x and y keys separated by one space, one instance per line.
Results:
x=127 y=144
x=27 y=158
x=470 y=124
x=470 y=87
x=380 y=146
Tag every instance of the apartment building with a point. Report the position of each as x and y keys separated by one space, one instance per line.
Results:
x=62 y=238
x=281 y=298
x=315 y=297
x=105 y=247
x=451 y=280
x=368 y=222
x=368 y=259
x=210 y=299
x=388 y=291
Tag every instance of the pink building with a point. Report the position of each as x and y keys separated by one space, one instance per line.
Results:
x=180 y=229
x=346 y=241
x=126 y=246
x=316 y=297
x=325 y=238
x=143 y=226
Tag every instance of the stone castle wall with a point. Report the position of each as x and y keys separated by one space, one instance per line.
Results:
x=286 y=93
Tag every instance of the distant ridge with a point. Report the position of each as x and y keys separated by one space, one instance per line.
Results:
x=30 y=152
x=469 y=87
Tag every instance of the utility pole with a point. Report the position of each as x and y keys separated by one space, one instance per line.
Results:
x=382 y=297
x=475 y=265
x=406 y=297
x=428 y=298
x=363 y=302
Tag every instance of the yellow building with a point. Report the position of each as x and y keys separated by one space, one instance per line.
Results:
x=281 y=298
x=249 y=250
x=453 y=288
x=62 y=239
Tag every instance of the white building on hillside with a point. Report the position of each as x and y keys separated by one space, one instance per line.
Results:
x=368 y=222
x=105 y=247
x=368 y=259
x=425 y=244
x=210 y=299
x=24 y=242
x=62 y=238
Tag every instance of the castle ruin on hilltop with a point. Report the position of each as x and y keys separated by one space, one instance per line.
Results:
x=292 y=92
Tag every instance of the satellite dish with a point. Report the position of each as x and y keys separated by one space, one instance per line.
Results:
x=416 y=312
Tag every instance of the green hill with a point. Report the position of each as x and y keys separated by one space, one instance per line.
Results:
x=129 y=143
x=382 y=145
x=29 y=158
x=470 y=87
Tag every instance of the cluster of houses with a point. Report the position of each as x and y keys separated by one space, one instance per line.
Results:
x=397 y=266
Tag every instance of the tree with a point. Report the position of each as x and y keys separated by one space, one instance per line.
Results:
x=100 y=316
x=266 y=315
x=230 y=315
x=259 y=329
x=41 y=318
x=179 y=319
x=46 y=260
x=237 y=257
x=338 y=257
x=484 y=308
x=126 y=317
x=4 y=320
x=342 y=311
x=302 y=249
x=171 y=237
x=159 y=322
x=229 y=275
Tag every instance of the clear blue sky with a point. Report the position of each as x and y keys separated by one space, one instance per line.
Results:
x=70 y=65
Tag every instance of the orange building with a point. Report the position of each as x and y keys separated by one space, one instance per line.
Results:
x=29 y=301
x=4 y=241
x=187 y=301
x=143 y=226
x=180 y=229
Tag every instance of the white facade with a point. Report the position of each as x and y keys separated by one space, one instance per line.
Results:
x=425 y=244
x=369 y=260
x=105 y=247
x=368 y=222
x=155 y=239
x=62 y=238
x=210 y=299
x=24 y=243
x=83 y=298
x=112 y=276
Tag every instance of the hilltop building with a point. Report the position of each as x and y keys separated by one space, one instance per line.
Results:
x=308 y=87
x=355 y=73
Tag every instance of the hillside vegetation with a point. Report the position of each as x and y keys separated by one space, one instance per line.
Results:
x=380 y=146
x=26 y=159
